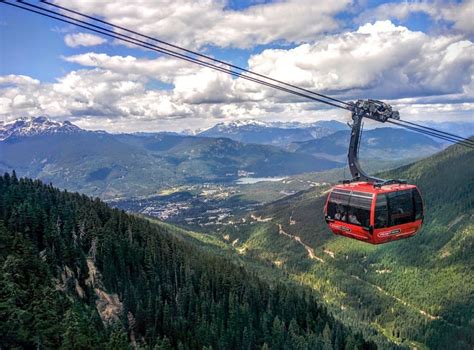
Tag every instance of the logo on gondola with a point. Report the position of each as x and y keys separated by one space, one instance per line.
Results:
x=389 y=233
x=342 y=228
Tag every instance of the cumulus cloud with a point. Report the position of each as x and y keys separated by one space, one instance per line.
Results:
x=380 y=60
x=83 y=39
x=18 y=80
x=164 y=69
x=102 y=99
x=423 y=76
x=459 y=14
x=198 y=23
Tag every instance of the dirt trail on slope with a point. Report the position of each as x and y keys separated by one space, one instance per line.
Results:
x=310 y=250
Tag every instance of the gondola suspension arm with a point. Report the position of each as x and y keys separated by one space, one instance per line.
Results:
x=375 y=110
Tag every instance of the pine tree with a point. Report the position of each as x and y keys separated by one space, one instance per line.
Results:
x=278 y=334
x=179 y=295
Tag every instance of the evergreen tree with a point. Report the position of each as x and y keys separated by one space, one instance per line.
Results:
x=60 y=252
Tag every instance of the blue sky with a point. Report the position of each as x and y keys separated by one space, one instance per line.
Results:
x=298 y=41
x=33 y=45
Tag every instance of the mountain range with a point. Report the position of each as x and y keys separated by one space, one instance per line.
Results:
x=273 y=133
x=127 y=165
x=116 y=165
x=378 y=143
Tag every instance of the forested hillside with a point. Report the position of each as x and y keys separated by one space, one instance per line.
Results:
x=419 y=291
x=77 y=274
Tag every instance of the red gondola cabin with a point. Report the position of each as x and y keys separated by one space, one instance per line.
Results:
x=374 y=214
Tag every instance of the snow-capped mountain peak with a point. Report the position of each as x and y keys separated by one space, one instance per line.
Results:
x=35 y=126
x=243 y=122
x=235 y=125
x=230 y=127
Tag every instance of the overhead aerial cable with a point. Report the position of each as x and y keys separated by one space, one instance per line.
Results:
x=194 y=52
x=455 y=137
x=366 y=208
x=231 y=69
x=461 y=141
x=170 y=52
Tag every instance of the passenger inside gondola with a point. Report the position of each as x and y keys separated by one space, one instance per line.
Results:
x=353 y=218
x=351 y=207
x=340 y=213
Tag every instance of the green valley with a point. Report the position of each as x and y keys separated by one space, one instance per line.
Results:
x=417 y=292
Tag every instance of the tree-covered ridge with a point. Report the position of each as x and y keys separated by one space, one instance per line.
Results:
x=78 y=274
x=417 y=292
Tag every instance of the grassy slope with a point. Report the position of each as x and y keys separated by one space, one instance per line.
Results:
x=418 y=291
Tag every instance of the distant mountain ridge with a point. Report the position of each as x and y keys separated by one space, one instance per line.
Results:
x=382 y=143
x=116 y=165
x=464 y=128
x=35 y=126
x=274 y=124
x=273 y=133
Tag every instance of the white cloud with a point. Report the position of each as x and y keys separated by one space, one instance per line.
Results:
x=378 y=60
x=462 y=16
x=423 y=76
x=198 y=23
x=163 y=68
x=18 y=80
x=102 y=99
x=83 y=39
x=398 y=10
x=459 y=14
